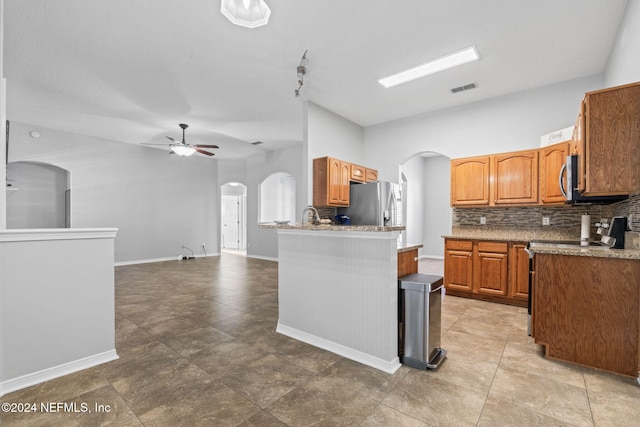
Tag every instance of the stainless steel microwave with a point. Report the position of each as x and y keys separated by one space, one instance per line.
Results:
x=573 y=196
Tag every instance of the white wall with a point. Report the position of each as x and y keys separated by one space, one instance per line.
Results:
x=623 y=65
x=38 y=198
x=437 y=210
x=507 y=123
x=263 y=243
x=326 y=133
x=413 y=170
x=159 y=202
x=3 y=118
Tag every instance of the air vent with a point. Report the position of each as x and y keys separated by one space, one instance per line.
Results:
x=257 y=143
x=463 y=88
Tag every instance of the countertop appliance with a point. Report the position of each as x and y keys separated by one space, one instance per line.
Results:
x=570 y=168
x=372 y=203
x=613 y=234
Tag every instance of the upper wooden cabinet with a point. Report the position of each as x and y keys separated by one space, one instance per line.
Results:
x=552 y=158
x=607 y=140
x=331 y=178
x=330 y=182
x=515 y=178
x=470 y=181
x=371 y=175
x=357 y=173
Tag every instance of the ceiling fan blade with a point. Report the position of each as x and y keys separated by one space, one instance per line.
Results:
x=204 y=152
x=206 y=146
x=171 y=139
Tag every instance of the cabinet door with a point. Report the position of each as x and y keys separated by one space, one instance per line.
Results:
x=518 y=271
x=579 y=144
x=458 y=265
x=612 y=141
x=552 y=158
x=330 y=182
x=357 y=173
x=407 y=262
x=515 y=178
x=490 y=270
x=470 y=181
x=371 y=175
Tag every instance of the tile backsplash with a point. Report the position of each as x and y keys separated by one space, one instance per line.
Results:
x=567 y=217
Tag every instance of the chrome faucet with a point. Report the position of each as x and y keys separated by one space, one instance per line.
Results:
x=316 y=216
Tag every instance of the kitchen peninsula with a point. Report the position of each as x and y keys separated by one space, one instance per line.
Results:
x=338 y=290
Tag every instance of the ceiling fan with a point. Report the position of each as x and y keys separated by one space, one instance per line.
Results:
x=182 y=148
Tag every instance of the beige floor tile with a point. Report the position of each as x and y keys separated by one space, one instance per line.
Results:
x=543 y=395
x=508 y=413
x=383 y=416
x=435 y=401
x=615 y=400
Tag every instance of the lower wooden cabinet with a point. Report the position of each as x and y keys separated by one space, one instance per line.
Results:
x=488 y=270
x=586 y=310
x=407 y=262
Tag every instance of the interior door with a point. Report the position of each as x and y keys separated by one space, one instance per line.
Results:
x=230 y=221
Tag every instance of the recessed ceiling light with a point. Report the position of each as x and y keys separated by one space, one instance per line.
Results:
x=34 y=134
x=452 y=60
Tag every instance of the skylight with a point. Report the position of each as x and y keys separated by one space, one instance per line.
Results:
x=444 y=63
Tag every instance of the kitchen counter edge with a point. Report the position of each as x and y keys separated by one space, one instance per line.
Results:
x=332 y=227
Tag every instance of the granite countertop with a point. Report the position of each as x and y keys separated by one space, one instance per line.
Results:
x=529 y=234
x=510 y=234
x=599 y=253
x=331 y=227
x=406 y=247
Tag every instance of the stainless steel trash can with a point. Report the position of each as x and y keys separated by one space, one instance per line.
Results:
x=420 y=321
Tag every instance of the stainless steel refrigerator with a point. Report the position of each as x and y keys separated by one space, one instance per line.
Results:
x=373 y=203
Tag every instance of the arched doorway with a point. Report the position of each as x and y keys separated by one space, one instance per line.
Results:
x=39 y=196
x=233 y=215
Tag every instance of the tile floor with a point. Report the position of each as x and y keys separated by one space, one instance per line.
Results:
x=197 y=348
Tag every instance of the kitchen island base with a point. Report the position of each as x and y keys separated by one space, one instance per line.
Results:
x=338 y=291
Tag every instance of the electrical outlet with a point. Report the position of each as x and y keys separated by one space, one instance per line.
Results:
x=545 y=220
x=483 y=220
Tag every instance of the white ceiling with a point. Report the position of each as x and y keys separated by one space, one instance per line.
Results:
x=131 y=70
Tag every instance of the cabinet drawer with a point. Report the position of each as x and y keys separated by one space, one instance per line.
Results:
x=461 y=245
x=499 y=247
x=357 y=173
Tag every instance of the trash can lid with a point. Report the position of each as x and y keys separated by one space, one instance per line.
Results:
x=421 y=282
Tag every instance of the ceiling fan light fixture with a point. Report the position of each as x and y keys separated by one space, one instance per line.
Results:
x=183 y=150
x=246 y=13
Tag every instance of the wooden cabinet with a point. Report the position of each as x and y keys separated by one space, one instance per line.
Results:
x=518 y=272
x=407 y=262
x=586 y=310
x=515 y=178
x=331 y=178
x=330 y=182
x=458 y=265
x=371 y=175
x=488 y=270
x=470 y=181
x=357 y=173
x=552 y=158
x=607 y=140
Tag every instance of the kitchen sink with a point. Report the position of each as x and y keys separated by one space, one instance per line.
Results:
x=568 y=244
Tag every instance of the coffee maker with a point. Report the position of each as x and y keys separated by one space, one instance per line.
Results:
x=612 y=234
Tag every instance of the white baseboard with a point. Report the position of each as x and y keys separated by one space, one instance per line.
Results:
x=146 y=261
x=366 y=359
x=266 y=258
x=431 y=257
x=34 y=378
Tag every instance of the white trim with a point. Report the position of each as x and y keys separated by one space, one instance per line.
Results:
x=431 y=257
x=382 y=235
x=150 y=260
x=266 y=258
x=38 y=377
x=366 y=359
x=39 y=234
